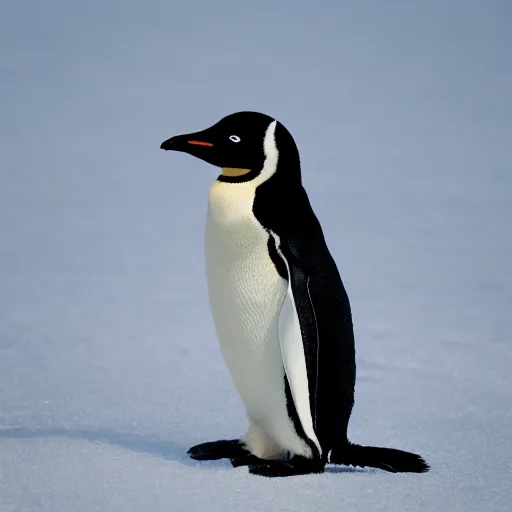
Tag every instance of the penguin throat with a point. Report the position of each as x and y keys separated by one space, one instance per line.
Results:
x=233 y=171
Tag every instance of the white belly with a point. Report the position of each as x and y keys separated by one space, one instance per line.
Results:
x=246 y=294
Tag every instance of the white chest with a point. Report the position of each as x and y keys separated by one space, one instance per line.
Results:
x=245 y=288
x=246 y=292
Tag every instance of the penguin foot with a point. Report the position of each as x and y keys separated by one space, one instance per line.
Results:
x=245 y=460
x=214 y=450
x=274 y=468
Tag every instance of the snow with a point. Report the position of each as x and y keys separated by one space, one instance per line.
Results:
x=109 y=366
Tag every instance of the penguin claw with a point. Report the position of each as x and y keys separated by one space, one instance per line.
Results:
x=214 y=450
x=270 y=470
x=245 y=460
x=281 y=469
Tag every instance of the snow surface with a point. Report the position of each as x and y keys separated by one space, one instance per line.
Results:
x=109 y=366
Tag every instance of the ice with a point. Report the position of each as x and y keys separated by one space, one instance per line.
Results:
x=109 y=365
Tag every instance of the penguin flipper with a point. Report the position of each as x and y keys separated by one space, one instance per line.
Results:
x=214 y=450
x=323 y=316
x=298 y=337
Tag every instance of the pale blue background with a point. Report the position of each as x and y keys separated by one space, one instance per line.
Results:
x=109 y=366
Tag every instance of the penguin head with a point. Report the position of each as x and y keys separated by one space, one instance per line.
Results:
x=239 y=141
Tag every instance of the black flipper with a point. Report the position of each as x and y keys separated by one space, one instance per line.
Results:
x=214 y=450
x=388 y=459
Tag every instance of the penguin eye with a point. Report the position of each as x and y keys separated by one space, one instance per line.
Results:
x=234 y=138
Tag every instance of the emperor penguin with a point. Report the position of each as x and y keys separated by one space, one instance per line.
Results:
x=280 y=309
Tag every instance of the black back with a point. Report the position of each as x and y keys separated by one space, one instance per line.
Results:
x=282 y=206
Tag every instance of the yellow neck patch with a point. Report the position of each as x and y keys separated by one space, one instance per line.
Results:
x=233 y=171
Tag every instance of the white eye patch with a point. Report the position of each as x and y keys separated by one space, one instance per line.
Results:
x=234 y=138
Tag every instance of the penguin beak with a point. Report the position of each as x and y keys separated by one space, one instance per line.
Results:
x=198 y=144
x=185 y=143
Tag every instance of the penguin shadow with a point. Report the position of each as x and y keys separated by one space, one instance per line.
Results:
x=138 y=443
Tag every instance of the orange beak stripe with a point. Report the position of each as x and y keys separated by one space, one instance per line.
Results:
x=200 y=143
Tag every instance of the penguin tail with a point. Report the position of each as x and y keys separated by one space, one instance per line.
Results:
x=388 y=459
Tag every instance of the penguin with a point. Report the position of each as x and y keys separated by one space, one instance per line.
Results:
x=281 y=312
